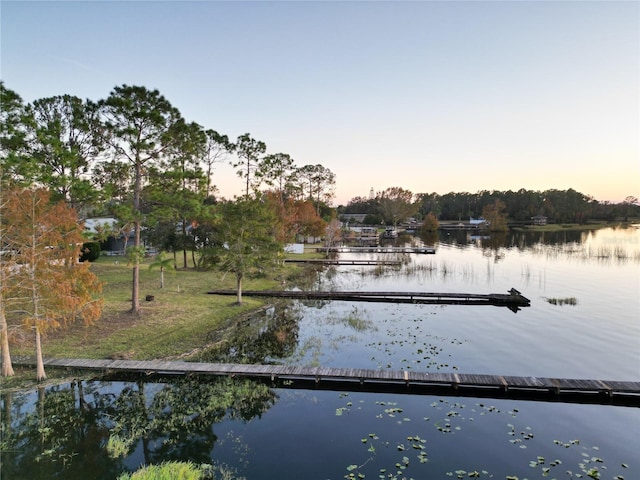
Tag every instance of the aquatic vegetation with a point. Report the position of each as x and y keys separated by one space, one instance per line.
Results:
x=356 y=319
x=171 y=470
x=117 y=446
x=383 y=435
x=422 y=350
x=562 y=301
x=582 y=252
x=404 y=452
x=464 y=474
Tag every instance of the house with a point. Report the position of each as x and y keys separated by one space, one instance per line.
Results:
x=116 y=240
x=539 y=220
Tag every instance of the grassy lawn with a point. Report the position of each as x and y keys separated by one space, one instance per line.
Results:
x=181 y=318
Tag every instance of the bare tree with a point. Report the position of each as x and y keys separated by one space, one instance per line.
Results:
x=333 y=233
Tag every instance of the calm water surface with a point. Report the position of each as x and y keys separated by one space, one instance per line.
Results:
x=592 y=331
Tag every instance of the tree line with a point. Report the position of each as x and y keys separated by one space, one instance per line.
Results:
x=133 y=156
x=559 y=206
x=91 y=154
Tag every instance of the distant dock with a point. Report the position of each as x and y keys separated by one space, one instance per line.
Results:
x=377 y=249
x=330 y=261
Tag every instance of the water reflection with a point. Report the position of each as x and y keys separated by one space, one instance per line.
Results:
x=98 y=430
x=429 y=238
x=257 y=339
x=582 y=324
x=614 y=244
x=602 y=246
x=58 y=430
x=88 y=429
x=510 y=239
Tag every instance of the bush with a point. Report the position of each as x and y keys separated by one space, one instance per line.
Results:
x=430 y=223
x=170 y=471
x=90 y=252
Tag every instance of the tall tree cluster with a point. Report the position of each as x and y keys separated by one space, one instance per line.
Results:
x=133 y=156
x=396 y=205
x=559 y=206
x=278 y=173
x=390 y=206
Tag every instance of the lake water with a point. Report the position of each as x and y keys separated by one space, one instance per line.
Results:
x=583 y=322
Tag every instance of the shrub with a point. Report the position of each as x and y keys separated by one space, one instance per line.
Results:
x=90 y=252
x=430 y=223
x=169 y=471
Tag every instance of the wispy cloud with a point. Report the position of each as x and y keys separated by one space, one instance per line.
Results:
x=73 y=62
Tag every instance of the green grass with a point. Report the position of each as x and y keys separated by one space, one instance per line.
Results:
x=181 y=318
x=176 y=470
x=168 y=471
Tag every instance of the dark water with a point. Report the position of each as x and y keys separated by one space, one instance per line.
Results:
x=583 y=323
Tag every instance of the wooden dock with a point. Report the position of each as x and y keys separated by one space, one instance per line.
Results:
x=332 y=261
x=377 y=249
x=513 y=300
x=625 y=393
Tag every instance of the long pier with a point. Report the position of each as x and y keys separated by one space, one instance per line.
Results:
x=625 y=393
x=336 y=261
x=377 y=249
x=513 y=300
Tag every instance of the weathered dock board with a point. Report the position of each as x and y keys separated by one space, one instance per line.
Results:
x=377 y=249
x=513 y=300
x=330 y=261
x=398 y=381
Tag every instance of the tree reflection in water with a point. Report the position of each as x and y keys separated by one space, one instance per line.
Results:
x=84 y=427
x=271 y=334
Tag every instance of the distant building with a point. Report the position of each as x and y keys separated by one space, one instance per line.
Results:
x=116 y=240
x=539 y=220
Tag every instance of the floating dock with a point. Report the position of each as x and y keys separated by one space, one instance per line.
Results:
x=513 y=300
x=625 y=393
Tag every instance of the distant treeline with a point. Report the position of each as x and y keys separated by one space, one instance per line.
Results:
x=559 y=206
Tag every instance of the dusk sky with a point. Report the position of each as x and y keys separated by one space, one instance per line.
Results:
x=429 y=96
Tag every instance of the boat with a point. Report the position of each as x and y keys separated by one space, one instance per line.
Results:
x=390 y=232
x=477 y=221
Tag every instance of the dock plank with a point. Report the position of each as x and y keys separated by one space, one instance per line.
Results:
x=561 y=389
